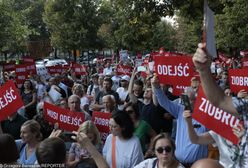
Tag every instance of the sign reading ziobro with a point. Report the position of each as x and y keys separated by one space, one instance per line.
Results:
x=215 y=118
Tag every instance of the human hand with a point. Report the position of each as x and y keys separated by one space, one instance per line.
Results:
x=155 y=81
x=81 y=138
x=242 y=94
x=55 y=133
x=201 y=59
x=187 y=116
x=239 y=130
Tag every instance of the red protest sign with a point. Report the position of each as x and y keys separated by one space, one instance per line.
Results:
x=178 y=89
x=174 y=70
x=10 y=100
x=28 y=60
x=244 y=62
x=31 y=68
x=124 y=70
x=101 y=120
x=244 y=53
x=57 y=69
x=9 y=66
x=66 y=119
x=238 y=79
x=21 y=74
x=79 y=69
x=214 y=118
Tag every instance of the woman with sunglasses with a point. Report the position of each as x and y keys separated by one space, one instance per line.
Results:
x=164 y=148
x=141 y=129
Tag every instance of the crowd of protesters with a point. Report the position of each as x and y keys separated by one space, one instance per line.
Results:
x=149 y=126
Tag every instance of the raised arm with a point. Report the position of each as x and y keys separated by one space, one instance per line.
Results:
x=132 y=97
x=86 y=143
x=203 y=139
x=172 y=107
x=213 y=92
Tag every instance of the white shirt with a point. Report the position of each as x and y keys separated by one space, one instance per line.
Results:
x=128 y=152
x=123 y=95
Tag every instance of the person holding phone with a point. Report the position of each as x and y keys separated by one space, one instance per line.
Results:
x=79 y=156
x=233 y=105
x=186 y=152
x=210 y=137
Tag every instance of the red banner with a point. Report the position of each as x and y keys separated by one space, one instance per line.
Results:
x=57 y=69
x=124 y=70
x=244 y=62
x=9 y=66
x=214 y=118
x=238 y=79
x=28 y=60
x=101 y=120
x=178 y=89
x=244 y=53
x=31 y=68
x=79 y=69
x=66 y=119
x=21 y=74
x=174 y=70
x=10 y=100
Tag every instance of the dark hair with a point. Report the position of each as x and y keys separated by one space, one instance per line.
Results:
x=31 y=85
x=125 y=122
x=9 y=152
x=51 y=151
x=107 y=79
x=139 y=83
x=163 y=136
x=134 y=107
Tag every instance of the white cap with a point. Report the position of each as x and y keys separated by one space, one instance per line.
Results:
x=125 y=77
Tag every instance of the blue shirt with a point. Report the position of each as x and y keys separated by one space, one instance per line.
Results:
x=186 y=152
x=22 y=159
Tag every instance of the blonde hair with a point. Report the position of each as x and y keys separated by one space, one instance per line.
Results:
x=90 y=127
x=34 y=128
x=77 y=85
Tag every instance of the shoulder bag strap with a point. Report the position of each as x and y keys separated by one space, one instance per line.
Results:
x=154 y=163
x=113 y=151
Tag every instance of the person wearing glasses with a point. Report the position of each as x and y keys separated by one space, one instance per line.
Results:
x=227 y=150
x=233 y=105
x=186 y=152
x=164 y=149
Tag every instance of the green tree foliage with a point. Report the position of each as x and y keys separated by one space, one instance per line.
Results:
x=13 y=32
x=135 y=21
x=188 y=34
x=163 y=36
x=73 y=24
x=232 y=26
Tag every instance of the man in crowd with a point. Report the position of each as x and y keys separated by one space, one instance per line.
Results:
x=107 y=85
x=186 y=152
x=109 y=103
x=74 y=106
x=233 y=105
x=123 y=91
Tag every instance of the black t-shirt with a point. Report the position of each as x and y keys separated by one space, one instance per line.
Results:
x=101 y=94
x=154 y=116
x=13 y=127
